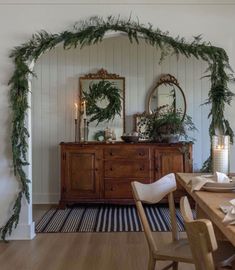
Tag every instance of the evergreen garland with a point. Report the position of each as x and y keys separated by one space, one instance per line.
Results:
x=92 y=31
x=99 y=91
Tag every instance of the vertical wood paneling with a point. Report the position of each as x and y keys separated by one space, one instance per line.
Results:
x=53 y=105
x=36 y=132
x=141 y=82
x=45 y=122
x=197 y=93
x=205 y=109
x=56 y=89
x=150 y=79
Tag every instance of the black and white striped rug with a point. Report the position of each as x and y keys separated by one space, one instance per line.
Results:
x=105 y=218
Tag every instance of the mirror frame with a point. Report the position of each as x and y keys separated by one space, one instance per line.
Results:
x=170 y=80
x=102 y=74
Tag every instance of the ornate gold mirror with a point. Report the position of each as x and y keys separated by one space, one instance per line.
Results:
x=102 y=105
x=167 y=92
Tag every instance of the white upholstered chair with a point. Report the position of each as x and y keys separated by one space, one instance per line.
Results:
x=201 y=236
x=176 y=251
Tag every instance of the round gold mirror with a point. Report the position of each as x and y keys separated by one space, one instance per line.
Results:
x=167 y=92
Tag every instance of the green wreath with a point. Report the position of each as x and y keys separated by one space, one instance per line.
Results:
x=99 y=91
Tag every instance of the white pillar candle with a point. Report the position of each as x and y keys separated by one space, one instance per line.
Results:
x=75 y=111
x=84 y=109
x=220 y=160
x=220 y=154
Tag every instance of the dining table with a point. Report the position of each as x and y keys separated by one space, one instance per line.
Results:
x=208 y=206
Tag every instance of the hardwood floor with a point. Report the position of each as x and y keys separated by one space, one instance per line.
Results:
x=80 y=251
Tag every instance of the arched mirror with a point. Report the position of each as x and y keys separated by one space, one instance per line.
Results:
x=167 y=92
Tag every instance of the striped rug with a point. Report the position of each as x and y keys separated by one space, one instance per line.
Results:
x=105 y=218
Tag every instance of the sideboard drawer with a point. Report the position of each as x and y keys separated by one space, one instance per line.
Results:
x=120 y=188
x=124 y=168
x=127 y=153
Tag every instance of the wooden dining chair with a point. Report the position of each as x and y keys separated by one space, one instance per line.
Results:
x=176 y=251
x=208 y=254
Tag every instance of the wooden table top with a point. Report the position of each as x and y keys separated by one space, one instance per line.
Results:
x=209 y=202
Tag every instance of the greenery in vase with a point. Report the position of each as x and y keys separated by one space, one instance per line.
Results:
x=169 y=121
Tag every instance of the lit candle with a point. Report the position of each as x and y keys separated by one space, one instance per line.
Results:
x=220 y=159
x=75 y=111
x=84 y=109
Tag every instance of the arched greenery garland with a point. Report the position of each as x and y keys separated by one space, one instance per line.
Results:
x=90 y=32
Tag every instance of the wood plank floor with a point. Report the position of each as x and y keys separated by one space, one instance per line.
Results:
x=80 y=251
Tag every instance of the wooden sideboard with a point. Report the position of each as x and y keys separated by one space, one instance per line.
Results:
x=101 y=172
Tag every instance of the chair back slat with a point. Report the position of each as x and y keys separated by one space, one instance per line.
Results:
x=153 y=193
x=201 y=237
x=186 y=210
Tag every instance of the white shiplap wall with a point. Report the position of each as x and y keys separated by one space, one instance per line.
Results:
x=56 y=87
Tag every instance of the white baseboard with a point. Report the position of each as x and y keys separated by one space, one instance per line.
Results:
x=46 y=198
x=23 y=232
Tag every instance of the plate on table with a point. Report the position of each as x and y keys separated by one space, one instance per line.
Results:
x=221 y=185
x=219 y=189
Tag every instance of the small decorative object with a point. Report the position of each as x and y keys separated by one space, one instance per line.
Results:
x=113 y=135
x=76 y=121
x=140 y=123
x=220 y=153
x=108 y=134
x=99 y=136
x=130 y=137
x=167 y=125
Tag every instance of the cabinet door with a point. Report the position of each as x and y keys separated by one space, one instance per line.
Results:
x=168 y=161
x=81 y=174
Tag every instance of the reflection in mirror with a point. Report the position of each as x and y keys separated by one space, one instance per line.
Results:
x=167 y=92
x=102 y=109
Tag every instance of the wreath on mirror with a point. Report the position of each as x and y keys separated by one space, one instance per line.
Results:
x=99 y=92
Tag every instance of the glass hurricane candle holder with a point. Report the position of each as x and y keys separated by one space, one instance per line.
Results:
x=220 y=153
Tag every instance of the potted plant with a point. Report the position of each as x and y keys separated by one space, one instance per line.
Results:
x=168 y=124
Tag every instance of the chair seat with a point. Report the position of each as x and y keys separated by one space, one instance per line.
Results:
x=225 y=253
x=178 y=251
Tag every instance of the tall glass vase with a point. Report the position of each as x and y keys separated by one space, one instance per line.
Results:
x=220 y=153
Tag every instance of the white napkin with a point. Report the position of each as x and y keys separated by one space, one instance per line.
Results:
x=221 y=177
x=198 y=182
x=230 y=216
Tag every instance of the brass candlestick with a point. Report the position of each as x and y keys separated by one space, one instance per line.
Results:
x=76 y=130
x=85 y=129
